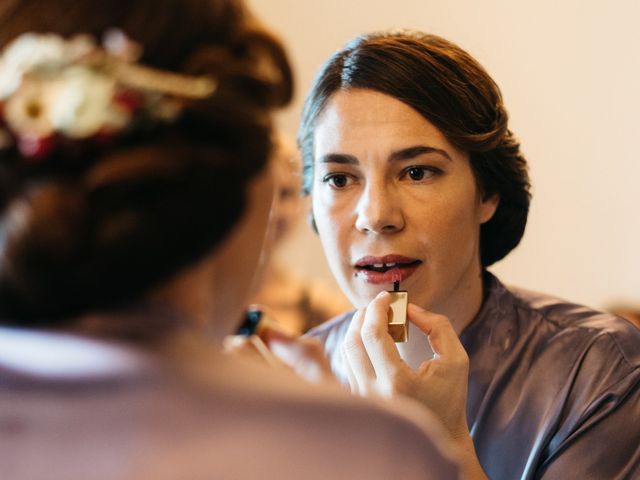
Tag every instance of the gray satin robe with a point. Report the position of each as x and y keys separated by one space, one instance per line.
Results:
x=554 y=388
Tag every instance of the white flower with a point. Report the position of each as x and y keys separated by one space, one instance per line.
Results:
x=82 y=103
x=52 y=88
x=27 y=110
x=22 y=54
x=32 y=51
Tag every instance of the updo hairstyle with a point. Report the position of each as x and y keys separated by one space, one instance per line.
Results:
x=96 y=229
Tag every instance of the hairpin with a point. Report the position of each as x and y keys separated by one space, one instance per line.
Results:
x=56 y=91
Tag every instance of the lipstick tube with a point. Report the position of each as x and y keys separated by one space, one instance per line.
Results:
x=253 y=321
x=253 y=325
x=398 y=325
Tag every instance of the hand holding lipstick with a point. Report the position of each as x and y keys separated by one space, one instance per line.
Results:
x=374 y=366
x=304 y=355
x=263 y=339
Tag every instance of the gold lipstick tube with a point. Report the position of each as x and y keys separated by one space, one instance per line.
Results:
x=398 y=325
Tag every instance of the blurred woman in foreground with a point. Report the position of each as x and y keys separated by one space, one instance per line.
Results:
x=135 y=193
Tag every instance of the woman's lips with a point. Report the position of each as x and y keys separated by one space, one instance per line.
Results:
x=386 y=269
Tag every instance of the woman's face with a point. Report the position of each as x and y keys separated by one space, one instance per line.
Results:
x=394 y=199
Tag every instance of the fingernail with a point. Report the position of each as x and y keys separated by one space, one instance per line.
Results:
x=382 y=294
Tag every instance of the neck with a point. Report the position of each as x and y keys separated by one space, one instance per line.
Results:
x=465 y=302
x=190 y=293
x=462 y=308
x=144 y=323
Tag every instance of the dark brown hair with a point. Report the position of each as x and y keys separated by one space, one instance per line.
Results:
x=98 y=230
x=450 y=89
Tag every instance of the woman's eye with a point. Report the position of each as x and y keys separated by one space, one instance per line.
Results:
x=418 y=174
x=336 y=180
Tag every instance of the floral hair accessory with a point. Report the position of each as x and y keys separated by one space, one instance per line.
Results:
x=56 y=91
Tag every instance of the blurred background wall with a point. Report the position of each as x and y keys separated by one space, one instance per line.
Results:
x=570 y=74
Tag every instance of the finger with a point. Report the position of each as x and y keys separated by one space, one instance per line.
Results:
x=249 y=347
x=235 y=343
x=356 y=355
x=264 y=352
x=270 y=331
x=442 y=337
x=268 y=326
x=287 y=349
x=353 y=382
x=379 y=345
x=305 y=356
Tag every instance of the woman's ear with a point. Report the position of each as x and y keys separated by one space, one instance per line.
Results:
x=488 y=206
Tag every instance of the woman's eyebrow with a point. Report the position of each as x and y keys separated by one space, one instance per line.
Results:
x=341 y=158
x=412 y=152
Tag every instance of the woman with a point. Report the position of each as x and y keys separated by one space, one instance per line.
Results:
x=135 y=195
x=415 y=177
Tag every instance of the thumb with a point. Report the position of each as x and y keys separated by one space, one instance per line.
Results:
x=438 y=328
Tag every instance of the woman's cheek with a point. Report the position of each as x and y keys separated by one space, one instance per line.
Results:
x=329 y=209
x=455 y=235
x=333 y=222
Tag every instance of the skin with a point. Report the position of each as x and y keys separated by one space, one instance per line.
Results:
x=388 y=182
x=240 y=260
x=214 y=292
x=372 y=205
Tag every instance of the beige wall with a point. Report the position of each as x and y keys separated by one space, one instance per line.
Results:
x=570 y=74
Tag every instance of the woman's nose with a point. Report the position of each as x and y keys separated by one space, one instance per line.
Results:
x=378 y=211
